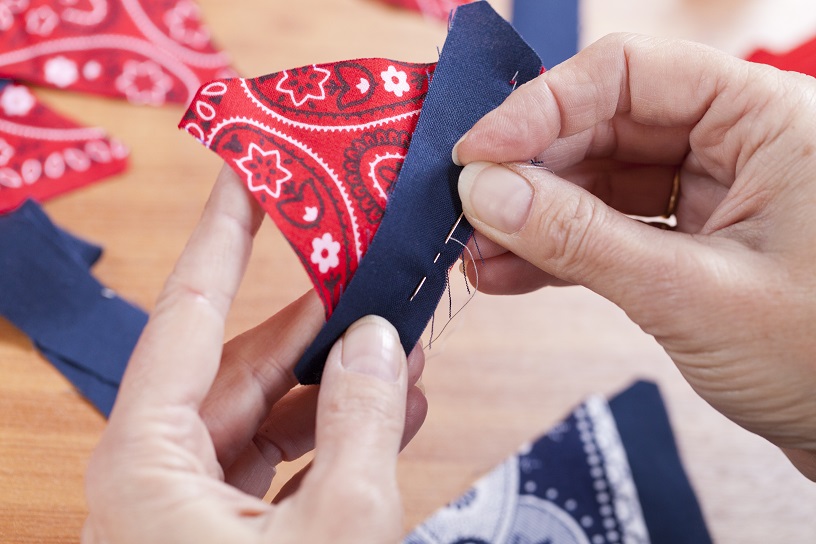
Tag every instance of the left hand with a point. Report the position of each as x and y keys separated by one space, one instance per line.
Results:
x=199 y=426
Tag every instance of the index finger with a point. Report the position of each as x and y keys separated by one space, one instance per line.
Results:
x=657 y=83
x=177 y=357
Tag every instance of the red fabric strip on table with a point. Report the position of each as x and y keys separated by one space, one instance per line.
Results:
x=801 y=59
x=43 y=154
x=320 y=148
x=149 y=51
x=439 y=9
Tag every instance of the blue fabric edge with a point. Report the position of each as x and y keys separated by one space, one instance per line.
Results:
x=378 y=283
x=670 y=506
x=551 y=27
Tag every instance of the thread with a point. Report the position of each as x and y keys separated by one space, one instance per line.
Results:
x=452 y=315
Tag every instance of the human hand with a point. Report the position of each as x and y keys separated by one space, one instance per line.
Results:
x=731 y=295
x=196 y=433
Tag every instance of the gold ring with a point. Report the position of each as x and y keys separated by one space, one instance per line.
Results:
x=671 y=208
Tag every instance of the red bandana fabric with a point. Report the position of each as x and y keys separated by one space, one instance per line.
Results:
x=439 y=9
x=802 y=59
x=320 y=148
x=43 y=154
x=147 y=51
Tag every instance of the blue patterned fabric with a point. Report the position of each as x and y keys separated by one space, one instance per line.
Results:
x=481 y=62
x=84 y=329
x=551 y=27
x=608 y=474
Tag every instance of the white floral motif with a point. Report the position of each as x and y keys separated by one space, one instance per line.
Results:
x=9 y=178
x=264 y=170
x=41 y=21
x=325 y=253
x=184 y=24
x=6 y=152
x=54 y=165
x=17 y=101
x=16 y=6
x=144 y=83
x=6 y=17
x=396 y=81
x=92 y=70
x=31 y=170
x=61 y=71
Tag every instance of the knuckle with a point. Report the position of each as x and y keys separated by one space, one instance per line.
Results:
x=567 y=228
x=369 y=406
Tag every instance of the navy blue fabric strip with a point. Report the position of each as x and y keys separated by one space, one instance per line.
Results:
x=669 y=504
x=481 y=56
x=84 y=329
x=551 y=27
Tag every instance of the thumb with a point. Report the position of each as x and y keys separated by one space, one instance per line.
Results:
x=566 y=231
x=360 y=422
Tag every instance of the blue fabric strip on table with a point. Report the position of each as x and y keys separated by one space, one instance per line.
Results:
x=551 y=27
x=646 y=433
x=84 y=329
x=481 y=58
x=583 y=483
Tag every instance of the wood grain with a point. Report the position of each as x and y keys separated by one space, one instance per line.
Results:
x=507 y=370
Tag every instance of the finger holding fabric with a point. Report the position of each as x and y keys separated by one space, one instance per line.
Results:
x=158 y=474
x=731 y=297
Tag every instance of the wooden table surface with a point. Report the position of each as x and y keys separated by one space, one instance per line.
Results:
x=507 y=370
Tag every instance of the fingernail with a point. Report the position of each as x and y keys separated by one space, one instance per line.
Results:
x=420 y=385
x=371 y=347
x=455 y=150
x=495 y=195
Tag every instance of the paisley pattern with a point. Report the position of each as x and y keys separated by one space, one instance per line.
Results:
x=320 y=147
x=573 y=486
x=147 y=51
x=43 y=154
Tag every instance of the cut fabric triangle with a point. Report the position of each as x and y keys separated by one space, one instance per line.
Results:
x=43 y=154
x=147 y=51
x=609 y=473
x=320 y=147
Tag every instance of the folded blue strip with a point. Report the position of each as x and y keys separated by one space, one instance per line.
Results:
x=99 y=392
x=551 y=27
x=84 y=329
x=669 y=504
x=481 y=56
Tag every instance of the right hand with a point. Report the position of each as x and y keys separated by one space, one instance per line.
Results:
x=731 y=295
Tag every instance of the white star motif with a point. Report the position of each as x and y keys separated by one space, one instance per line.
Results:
x=259 y=179
x=299 y=101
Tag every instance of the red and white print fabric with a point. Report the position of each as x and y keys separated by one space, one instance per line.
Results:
x=147 y=51
x=439 y=9
x=43 y=154
x=320 y=148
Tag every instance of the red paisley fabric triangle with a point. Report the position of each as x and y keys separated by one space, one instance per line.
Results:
x=43 y=154
x=320 y=148
x=439 y=9
x=147 y=51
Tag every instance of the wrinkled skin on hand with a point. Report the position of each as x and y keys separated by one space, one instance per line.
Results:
x=199 y=426
x=731 y=294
